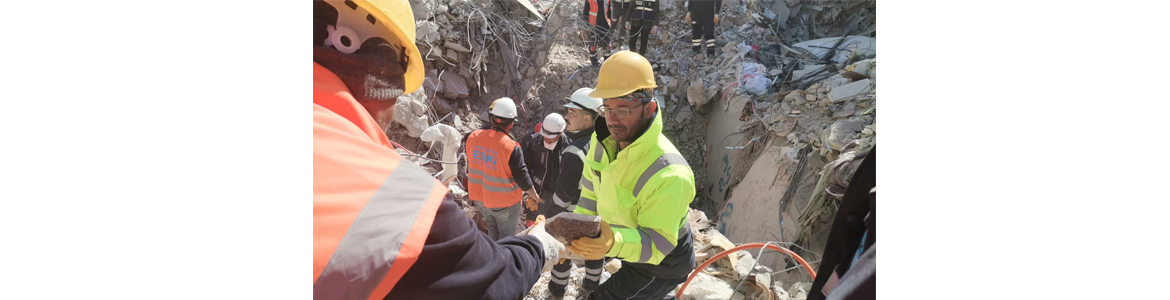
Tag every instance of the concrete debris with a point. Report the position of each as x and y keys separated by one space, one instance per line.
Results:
x=707 y=287
x=456 y=47
x=411 y=112
x=426 y=32
x=843 y=131
x=850 y=90
x=697 y=93
x=845 y=111
x=853 y=46
x=454 y=86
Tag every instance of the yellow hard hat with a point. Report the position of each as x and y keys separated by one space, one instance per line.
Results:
x=622 y=74
x=392 y=20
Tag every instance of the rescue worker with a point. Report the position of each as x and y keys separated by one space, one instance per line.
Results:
x=597 y=13
x=541 y=151
x=639 y=184
x=496 y=172
x=580 y=112
x=703 y=15
x=383 y=227
x=643 y=19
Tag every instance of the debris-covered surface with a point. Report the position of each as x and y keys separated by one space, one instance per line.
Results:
x=718 y=281
x=773 y=122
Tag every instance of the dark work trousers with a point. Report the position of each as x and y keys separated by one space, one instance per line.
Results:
x=633 y=284
x=639 y=32
x=560 y=276
x=703 y=28
x=598 y=38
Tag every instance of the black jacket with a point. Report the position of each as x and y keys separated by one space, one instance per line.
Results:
x=460 y=262
x=543 y=164
x=569 y=183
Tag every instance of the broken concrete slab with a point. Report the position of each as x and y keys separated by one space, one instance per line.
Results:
x=410 y=112
x=696 y=93
x=531 y=8
x=426 y=32
x=707 y=287
x=864 y=45
x=850 y=90
x=845 y=111
x=454 y=86
x=780 y=8
x=841 y=132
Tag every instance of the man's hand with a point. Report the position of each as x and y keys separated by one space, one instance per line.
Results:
x=594 y=248
x=716 y=19
x=552 y=248
x=533 y=199
x=688 y=18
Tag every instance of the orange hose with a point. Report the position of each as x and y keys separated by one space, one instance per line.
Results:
x=799 y=259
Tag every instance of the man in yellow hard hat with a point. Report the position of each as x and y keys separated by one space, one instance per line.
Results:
x=383 y=228
x=636 y=180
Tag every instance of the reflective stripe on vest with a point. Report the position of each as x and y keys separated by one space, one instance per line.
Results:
x=372 y=244
x=575 y=151
x=372 y=212
x=662 y=162
x=653 y=237
x=489 y=172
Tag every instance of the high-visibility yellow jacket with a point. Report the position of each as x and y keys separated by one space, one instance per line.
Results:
x=643 y=192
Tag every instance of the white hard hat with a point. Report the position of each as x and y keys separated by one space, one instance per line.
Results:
x=553 y=125
x=504 y=108
x=581 y=100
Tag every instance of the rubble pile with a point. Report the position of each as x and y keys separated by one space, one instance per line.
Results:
x=718 y=281
x=799 y=74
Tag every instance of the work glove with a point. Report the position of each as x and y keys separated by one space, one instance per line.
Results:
x=594 y=248
x=716 y=19
x=552 y=248
x=532 y=203
x=533 y=200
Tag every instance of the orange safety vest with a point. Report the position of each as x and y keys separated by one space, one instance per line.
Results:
x=489 y=175
x=593 y=10
x=372 y=212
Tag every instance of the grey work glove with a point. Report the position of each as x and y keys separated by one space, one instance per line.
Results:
x=552 y=248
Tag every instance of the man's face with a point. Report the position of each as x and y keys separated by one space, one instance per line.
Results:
x=578 y=119
x=637 y=116
x=382 y=111
x=551 y=140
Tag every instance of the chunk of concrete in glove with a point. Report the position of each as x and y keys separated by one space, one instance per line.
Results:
x=569 y=226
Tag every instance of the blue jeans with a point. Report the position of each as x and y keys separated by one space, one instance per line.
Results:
x=501 y=222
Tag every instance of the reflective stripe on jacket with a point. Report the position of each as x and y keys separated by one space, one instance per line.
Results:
x=642 y=191
x=489 y=175
x=372 y=212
